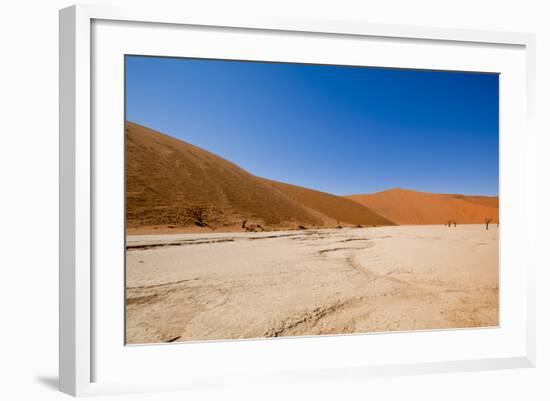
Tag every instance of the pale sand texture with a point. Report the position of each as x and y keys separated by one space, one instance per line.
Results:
x=249 y=285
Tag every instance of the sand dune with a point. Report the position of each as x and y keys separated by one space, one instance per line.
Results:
x=411 y=207
x=173 y=185
x=208 y=286
x=338 y=208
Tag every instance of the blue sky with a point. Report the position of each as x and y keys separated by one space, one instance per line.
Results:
x=343 y=130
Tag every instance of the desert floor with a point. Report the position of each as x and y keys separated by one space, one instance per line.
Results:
x=250 y=285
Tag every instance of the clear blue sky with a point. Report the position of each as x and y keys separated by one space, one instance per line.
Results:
x=343 y=130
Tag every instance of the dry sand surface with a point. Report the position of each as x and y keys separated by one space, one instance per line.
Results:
x=209 y=286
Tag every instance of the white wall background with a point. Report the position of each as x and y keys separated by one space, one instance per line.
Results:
x=29 y=186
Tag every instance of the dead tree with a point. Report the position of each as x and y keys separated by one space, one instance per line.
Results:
x=254 y=228
x=487 y=221
x=200 y=215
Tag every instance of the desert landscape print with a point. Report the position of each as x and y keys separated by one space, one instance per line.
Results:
x=280 y=199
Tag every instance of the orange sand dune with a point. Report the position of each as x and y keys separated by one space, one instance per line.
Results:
x=173 y=185
x=411 y=207
x=340 y=209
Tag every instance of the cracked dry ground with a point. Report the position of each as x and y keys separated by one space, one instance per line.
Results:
x=191 y=287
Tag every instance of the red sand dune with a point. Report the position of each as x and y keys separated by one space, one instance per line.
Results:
x=411 y=207
x=173 y=185
x=341 y=209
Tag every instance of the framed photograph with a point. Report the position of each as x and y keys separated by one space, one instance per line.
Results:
x=277 y=200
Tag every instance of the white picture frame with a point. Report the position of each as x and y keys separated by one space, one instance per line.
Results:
x=81 y=342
